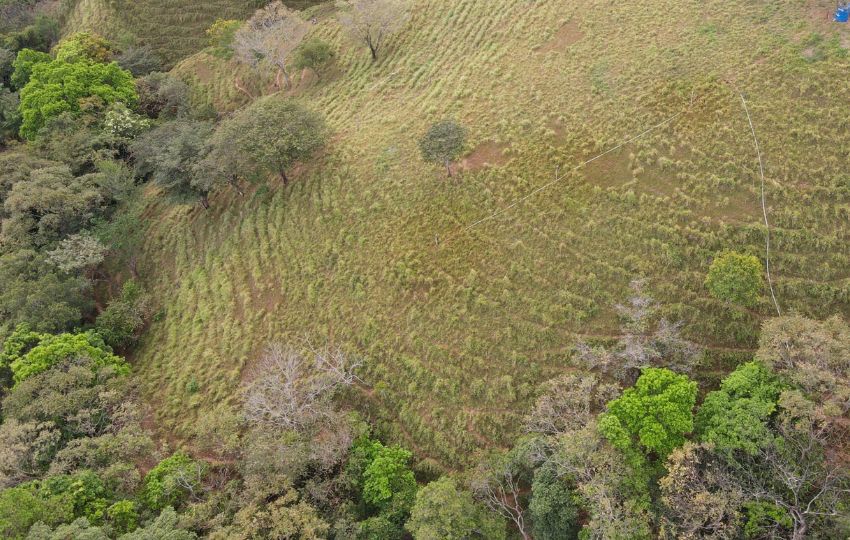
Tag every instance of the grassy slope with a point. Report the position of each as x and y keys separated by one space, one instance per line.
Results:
x=456 y=338
x=173 y=28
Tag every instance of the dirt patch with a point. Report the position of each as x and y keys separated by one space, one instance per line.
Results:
x=486 y=154
x=567 y=35
x=610 y=170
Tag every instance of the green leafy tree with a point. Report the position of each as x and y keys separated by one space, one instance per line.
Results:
x=122 y=516
x=653 y=416
x=79 y=529
x=172 y=481
x=23 y=65
x=164 y=527
x=40 y=35
x=84 y=490
x=164 y=96
x=442 y=143
x=36 y=293
x=313 y=54
x=76 y=140
x=444 y=512
x=48 y=205
x=270 y=135
x=23 y=506
x=554 y=514
x=388 y=476
x=7 y=60
x=76 y=397
x=52 y=349
x=168 y=156
x=10 y=118
x=286 y=516
x=736 y=278
x=56 y=87
x=736 y=416
x=84 y=46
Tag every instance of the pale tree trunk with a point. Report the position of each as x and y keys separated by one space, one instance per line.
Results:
x=283 y=177
x=205 y=201
x=238 y=84
x=448 y=169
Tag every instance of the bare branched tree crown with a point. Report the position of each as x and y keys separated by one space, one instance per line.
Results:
x=371 y=22
x=268 y=38
x=293 y=390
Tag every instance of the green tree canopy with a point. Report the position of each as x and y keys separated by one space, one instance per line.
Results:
x=56 y=87
x=736 y=278
x=736 y=416
x=441 y=511
x=443 y=142
x=51 y=203
x=314 y=54
x=84 y=46
x=269 y=136
x=23 y=65
x=171 y=481
x=653 y=416
x=36 y=293
x=169 y=154
x=42 y=351
x=554 y=515
x=388 y=475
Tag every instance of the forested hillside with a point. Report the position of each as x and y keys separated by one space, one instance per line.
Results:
x=428 y=269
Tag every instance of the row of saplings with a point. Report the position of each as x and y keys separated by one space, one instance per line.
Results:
x=190 y=158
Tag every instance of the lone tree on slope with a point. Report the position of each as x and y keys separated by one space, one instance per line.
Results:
x=269 y=136
x=373 y=21
x=736 y=278
x=443 y=143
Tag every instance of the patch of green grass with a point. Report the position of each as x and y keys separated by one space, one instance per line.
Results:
x=457 y=333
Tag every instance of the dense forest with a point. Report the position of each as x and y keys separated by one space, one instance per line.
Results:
x=389 y=269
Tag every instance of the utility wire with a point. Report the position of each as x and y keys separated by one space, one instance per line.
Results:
x=763 y=206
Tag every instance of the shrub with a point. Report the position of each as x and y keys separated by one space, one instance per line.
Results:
x=736 y=278
x=171 y=481
x=122 y=320
x=313 y=54
x=220 y=37
x=163 y=96
x=139 y=60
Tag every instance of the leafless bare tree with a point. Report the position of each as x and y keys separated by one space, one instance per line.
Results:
x=640 y=345
x=373 y=21
x=292 y=390
x=496 y=484
x=800 y=471
x=269 y=37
